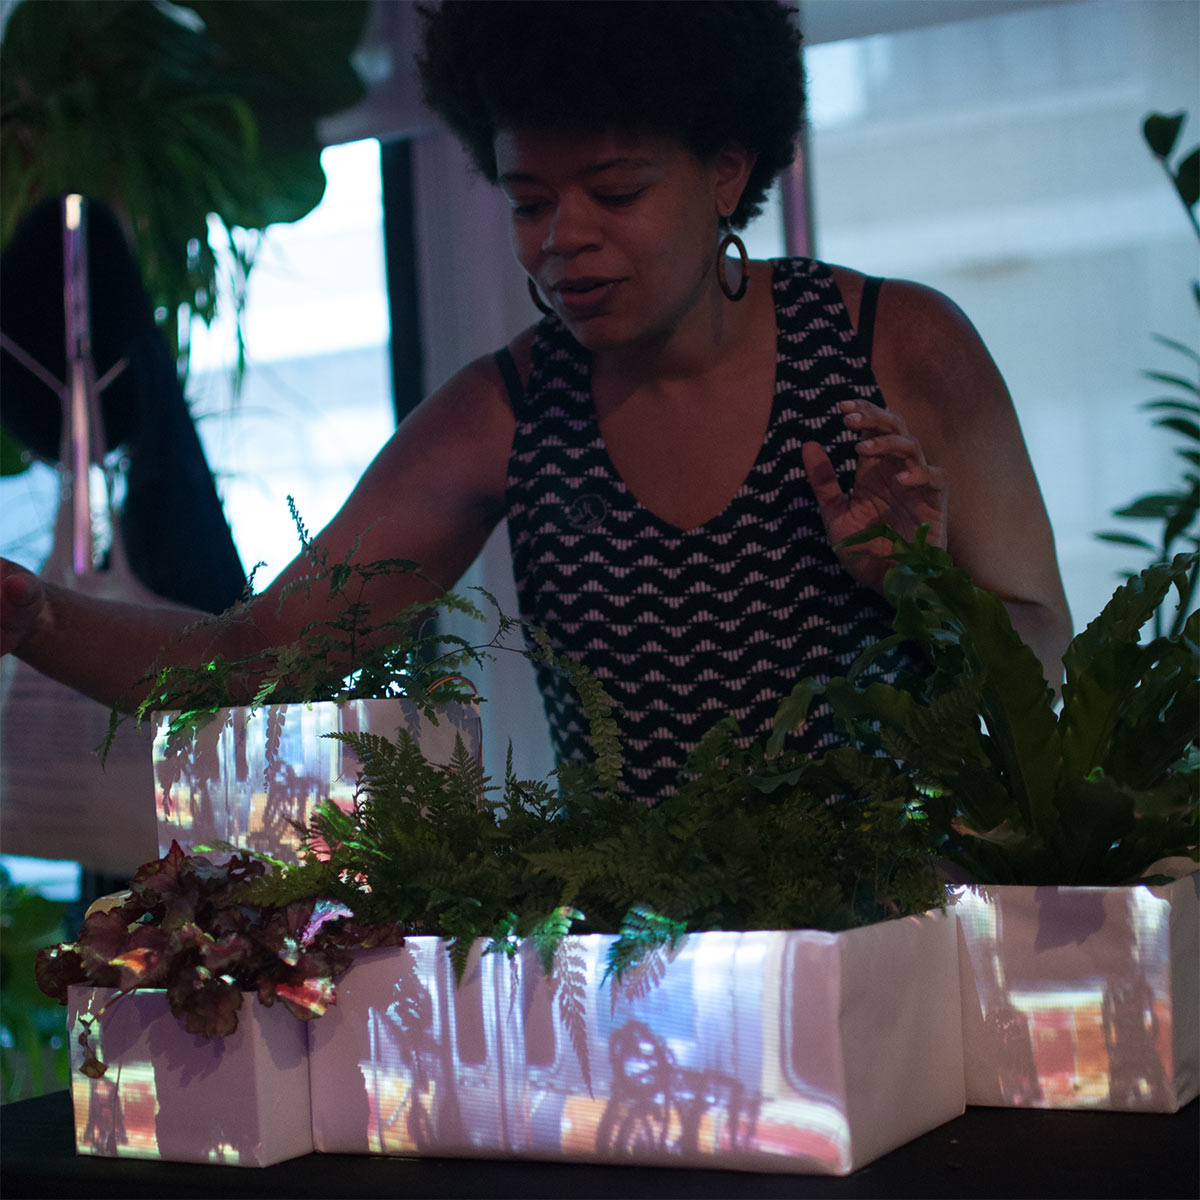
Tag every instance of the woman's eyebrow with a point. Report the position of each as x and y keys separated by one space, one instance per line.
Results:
x=609 y=164
x=624 y=161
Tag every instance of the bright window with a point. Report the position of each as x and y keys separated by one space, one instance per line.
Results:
x=315 y=404
x=1000 y=160
x=316 y=401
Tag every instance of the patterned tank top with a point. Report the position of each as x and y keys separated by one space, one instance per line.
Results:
x=685 y=627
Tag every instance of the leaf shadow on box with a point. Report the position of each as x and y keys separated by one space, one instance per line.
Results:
x=181 y=1097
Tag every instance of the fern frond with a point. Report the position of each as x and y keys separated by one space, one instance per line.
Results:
x=548 y=934
x=642 y=931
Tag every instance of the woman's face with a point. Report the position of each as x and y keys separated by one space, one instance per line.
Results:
x=619 y=230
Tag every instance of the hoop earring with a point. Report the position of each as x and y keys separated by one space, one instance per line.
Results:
x=735 y=294
x=535 y=296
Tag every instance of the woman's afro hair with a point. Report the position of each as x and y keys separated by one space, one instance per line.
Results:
x=709 y=73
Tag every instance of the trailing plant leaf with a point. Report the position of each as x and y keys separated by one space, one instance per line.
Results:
x=548 y=934
x=569 y=981
x=596 y=705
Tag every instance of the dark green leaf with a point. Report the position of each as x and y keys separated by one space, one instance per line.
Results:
x=1175 y=380
x=1157 y=507
x=1184 y=515
x=1161 y=132
x=1189 y=429
x=1187 y=179
x=1125 y=539
x=1181 y=347
x=1105 y=663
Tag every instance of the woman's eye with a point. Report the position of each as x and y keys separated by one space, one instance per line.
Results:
x=526 y=208
x=618 y=199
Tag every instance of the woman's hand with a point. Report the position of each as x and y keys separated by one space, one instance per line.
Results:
x=21 y=599
x=893 y=485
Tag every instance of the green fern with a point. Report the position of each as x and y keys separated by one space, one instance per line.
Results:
x=642 y=932
x=1014 y=791
x=547 y=935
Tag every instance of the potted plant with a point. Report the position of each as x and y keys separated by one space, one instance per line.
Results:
x=168 y=119
x=1079 y=955
x=710 y=981
x=755 y=906
x=247 y=763
x=155 y=975
x=112 y=99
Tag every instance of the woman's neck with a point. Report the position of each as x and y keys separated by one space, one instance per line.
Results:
x=714 y=338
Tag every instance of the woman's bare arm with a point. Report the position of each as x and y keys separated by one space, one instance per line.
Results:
x=432 y=495
x=935 y=372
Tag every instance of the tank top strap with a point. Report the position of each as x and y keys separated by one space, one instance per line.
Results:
x=866 y=313
x=511 y=376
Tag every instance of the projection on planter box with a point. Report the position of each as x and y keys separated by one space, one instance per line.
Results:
x=241 y=1100
x=1073 y=997
x=244 y=776
x=740 y=1050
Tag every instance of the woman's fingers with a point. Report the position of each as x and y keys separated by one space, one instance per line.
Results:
x=885 y=435
x=893 y=445
x=20 y=601
x=821 y=476
x=923 y=476
x=862 y=415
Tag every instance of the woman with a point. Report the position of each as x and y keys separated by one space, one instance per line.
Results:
x=681 y=441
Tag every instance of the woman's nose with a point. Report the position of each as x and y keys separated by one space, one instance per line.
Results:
x=570 y=229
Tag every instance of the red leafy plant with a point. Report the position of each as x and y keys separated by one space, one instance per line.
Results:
x=183 y=928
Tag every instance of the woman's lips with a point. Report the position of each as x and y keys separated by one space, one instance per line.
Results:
x=584 y=297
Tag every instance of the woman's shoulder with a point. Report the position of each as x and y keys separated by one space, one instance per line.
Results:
x=487 y=382
x=923 y=341
x=919 y=318
x=520 y=350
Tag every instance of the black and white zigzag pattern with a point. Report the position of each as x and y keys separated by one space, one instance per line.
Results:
x=684 y=627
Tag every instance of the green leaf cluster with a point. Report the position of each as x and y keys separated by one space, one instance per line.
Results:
x=1176 y=508
x=750 y=840
x=1018 y=790
x=170 y=113
x=352 y=655
x=33 y=1051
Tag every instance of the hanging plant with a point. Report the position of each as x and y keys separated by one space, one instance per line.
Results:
x=172 y=114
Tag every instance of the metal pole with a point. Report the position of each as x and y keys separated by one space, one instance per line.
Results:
x=90 y=493
x=796 y=194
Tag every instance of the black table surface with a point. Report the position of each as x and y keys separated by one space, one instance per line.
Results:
x=986 y=1152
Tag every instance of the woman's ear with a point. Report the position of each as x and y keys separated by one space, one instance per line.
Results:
x=731 y=170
